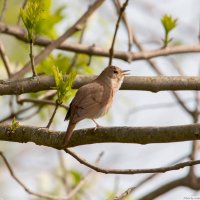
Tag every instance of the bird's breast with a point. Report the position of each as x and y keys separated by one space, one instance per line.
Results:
x=106 y=103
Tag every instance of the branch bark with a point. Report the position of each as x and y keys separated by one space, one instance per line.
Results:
x=19 y=33
x=152 y=83
x=132 y=135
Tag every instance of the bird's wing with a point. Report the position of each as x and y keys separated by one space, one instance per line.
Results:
x=87 y=102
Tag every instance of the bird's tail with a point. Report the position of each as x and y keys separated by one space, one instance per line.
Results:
x=68 y=134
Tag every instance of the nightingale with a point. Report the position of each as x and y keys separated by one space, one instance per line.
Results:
x=94 y=99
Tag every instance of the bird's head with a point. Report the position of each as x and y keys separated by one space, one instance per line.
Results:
x=114 y=74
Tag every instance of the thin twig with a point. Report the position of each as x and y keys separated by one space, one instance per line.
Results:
x=5 y=59
x=75 y=58
x=128 y=27
x=156 y=106
x=122 y=9
x=32 y=58
x=157 y=70
x=40 y=195
x=30 y=114
x=177 y=66
x=132 y=171
x=15 y=114
x=63 y=177
x=77 y=188
x=148 y=178
x=125 y=194
x=40 y=102
x=53 y=115
x=3 y=11
x=28 y=190
x=23 y=6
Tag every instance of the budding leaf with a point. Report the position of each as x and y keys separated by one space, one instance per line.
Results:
x=169 y=24
x=63 y=85
x=32 y=16
x=14 y=125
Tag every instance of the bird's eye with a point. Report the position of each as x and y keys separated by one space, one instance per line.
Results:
x=115 y=71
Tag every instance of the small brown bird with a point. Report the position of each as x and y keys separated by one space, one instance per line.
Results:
x=94 y=99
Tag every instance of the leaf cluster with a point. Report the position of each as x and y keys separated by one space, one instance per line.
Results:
x=63 y=85
x=38 y=19
x=32 y=16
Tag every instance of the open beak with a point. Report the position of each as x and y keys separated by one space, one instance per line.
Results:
x=125 y=72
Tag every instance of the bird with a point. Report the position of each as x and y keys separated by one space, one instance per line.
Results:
x=94 y=99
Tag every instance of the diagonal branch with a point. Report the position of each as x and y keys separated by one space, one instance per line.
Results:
x=122 y=9
x=3 y=11
x=132 y=171
x=28 y=190
x=54 y=44
x=185 y=181
x=128 y=27
x=45 y=196
x=5 y=59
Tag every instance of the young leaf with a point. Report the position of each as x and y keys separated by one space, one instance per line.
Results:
x=169 y=24
x=14 y=125
x=32 y=16
x=63 y=85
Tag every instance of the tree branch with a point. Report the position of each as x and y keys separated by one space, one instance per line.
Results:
x=40 y=195
x=132 y=135
x=29 y=191
x=20 y=34
x=5 y=59
x=121 y=11
x=117 y=4
x=132 y=171
x=3 y=11
x=152 y=83
x=54 y=44
x=186 y=182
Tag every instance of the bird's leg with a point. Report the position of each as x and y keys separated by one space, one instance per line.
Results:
x=97 y=125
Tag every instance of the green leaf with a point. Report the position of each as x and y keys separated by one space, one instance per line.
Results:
x=76 y=176
x=31 y=16
x=14 y=124
x=60 y=60
x=39 y=19
x=50 y=19
x=168 y=23
x=63 y=85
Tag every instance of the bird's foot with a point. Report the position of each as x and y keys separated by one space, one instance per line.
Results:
x=97 y=125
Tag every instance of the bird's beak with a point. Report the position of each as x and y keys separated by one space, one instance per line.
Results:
x=125 y=72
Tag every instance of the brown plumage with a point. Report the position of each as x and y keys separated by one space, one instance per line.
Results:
x=94 y=99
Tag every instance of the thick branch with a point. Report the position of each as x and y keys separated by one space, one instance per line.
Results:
x=98 y=51
x=139 y=135
x=153 y=84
